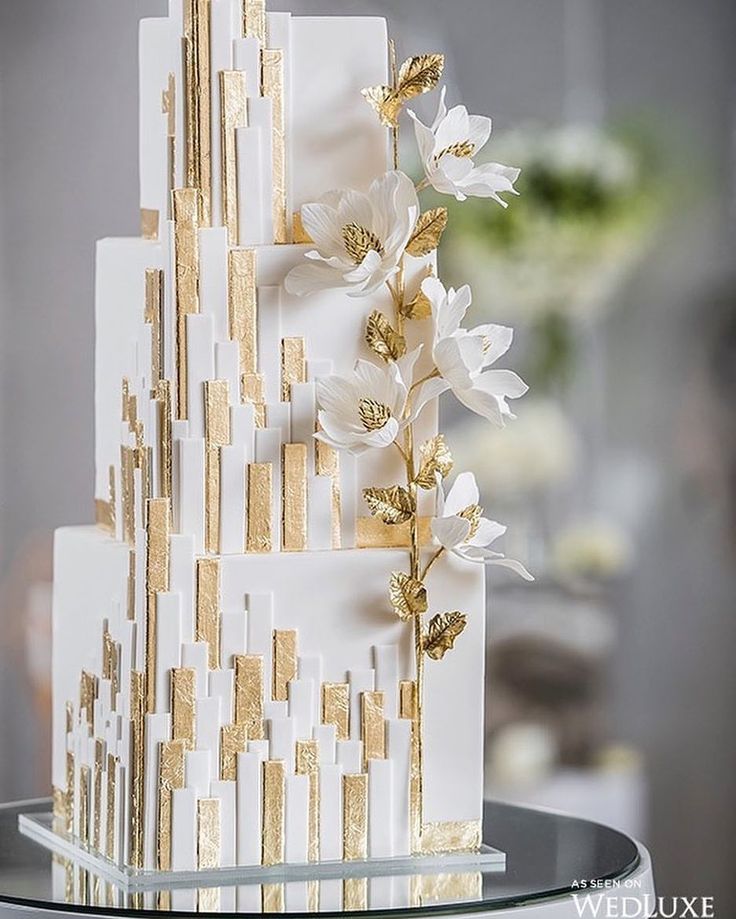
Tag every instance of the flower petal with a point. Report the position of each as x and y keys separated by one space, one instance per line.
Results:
x=480 y=131
x=450 y=532
x=453 y=129
x=482 y=403
x=498 y=339
x=425 y=394
x=502 y=383
x=479 y=555
x=488 y=532
x=464 y=493
x=441 y=110
x=312 y=277
x=321 y=223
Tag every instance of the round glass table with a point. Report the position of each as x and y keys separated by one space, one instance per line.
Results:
x=556 y=866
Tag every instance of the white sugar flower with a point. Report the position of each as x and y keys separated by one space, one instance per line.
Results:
x=448 y=150
x=461 y=527
x=365 y=410
x=462 y=357
x=360 y=238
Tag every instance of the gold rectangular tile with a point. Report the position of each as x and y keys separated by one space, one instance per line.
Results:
x=451 y=836
x=212 y=486
x=131 y=584
x=299 y=235
x=233 y=740
x=307 y=763
x=373 y=726
x=97 y=803
x=273 y=88
x=170 y=777
x=354 y=817
x=274 y=793
x=137 y=766
x=84 y=804
x=234 y=108
x=183 y=702
x=408 y=709
x=154 y=316
x=243 y=306
x=111 y=817
x=87 y=694
x=293 y=365
x=284 y=663
x=158 y=532
x=249 y=694
x=208 y=608
x=407 y=699
x=254 y=20
x=294 y=516
x=273 y=899
x=336 y=708
x=149 y=223
x=168 y=105
x=209 y=833
x=165 y=444
x=197 y=74
x=355 y=895
x=186 y=239
x=127 y=470
x=217 y=412
x=373 y=533
x=327 y=462
x=252 y=389
x=260 y=507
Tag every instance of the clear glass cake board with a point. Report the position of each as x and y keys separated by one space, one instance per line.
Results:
x=39 y=827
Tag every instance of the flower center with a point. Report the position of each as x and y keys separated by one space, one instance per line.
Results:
x=373 y=415
x=359 y=242
x=472 y=514
x=463 y=150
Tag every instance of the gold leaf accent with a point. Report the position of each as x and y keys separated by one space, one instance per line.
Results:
x=418 y=308
x=373 y=415
x=383 y=339
x=393 y=505
x=359 y=241
x=463 y=150
x=435 y=458
x=444 y=630
x=428 y=232
x=408 y=596
x=472 y=514
x=419 y=75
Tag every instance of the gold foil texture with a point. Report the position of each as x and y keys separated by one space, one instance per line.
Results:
x=284 y=663
x=273 y=88
x=373 y=726
x=260 y=507
x=208 y=608
x=274 y=792
x=249 y=695
x=183 y=700
x=307 y=763
x=243 y=306
x=336 y=708
x=171 y=776
x=234 y=108
x=294 y=515
x=354 y=817
x=186 y=238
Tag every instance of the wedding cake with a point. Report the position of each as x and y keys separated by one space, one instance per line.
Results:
x=270 y=648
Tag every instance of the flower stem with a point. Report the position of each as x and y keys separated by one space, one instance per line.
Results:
x=395 y=81
x=430 y=376
x=438 y=554
x=423 y=185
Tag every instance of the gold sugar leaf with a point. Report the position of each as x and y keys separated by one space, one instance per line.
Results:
x=429 y=229
x=359 y=241
x=418 y=308
x=472 y=514
x=435 y=458
x=373 y=415
x=383 y=339
x=385 y=102
x=419 y=75
x=408 y=596
x=443 y=632
x=393 y=505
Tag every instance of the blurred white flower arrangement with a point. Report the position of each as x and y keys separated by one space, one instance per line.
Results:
x=591 y=550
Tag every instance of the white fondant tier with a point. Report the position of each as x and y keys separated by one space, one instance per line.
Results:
x=346 y=635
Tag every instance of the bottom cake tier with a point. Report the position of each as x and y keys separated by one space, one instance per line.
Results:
x=261 y=711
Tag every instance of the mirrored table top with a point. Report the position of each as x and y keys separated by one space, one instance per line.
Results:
x=548 y=855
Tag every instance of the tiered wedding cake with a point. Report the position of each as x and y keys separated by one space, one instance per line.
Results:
x=270 y=649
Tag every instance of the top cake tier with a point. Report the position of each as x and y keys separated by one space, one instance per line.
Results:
x=206 y=368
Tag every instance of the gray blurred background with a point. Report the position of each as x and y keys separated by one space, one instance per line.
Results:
x=649 y=391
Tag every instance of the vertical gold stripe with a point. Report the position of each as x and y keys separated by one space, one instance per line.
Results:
x=157 y=580
x=217 y=435
x=155 y=317
x=127 y=464
x=273 y=88
x=327 y=461
x=84 y=793
x=111 y=497
x=307 y=763
x=260 y=507
x=298 y=232
x=168 y=105
x=234 y=738
x=408 y=708
x=274 y=791
x=97 y=804
x=294 y=497
x=407 y=699
x=354 y=817
x=336 y=708
x=234 y=108
x=249 y=695
x=451 y=836
x=273 y=899
x=254 y=20
x=208 y=608
x=209 y=845
x=111 y=820
x=293 y=365
x=183 y=699
x=70 y=792
x=137 y=766
x=252 y=390
x=125 y=400
x=373 y=726
x=165 y=448
x=131 y=584
x=198 y=101
x=149 y=223
x=284 y=663
x=243 y=306
x=107 y=646
x=87 y=696
x=355 y=895
x=186 y=230
x=170 y=776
